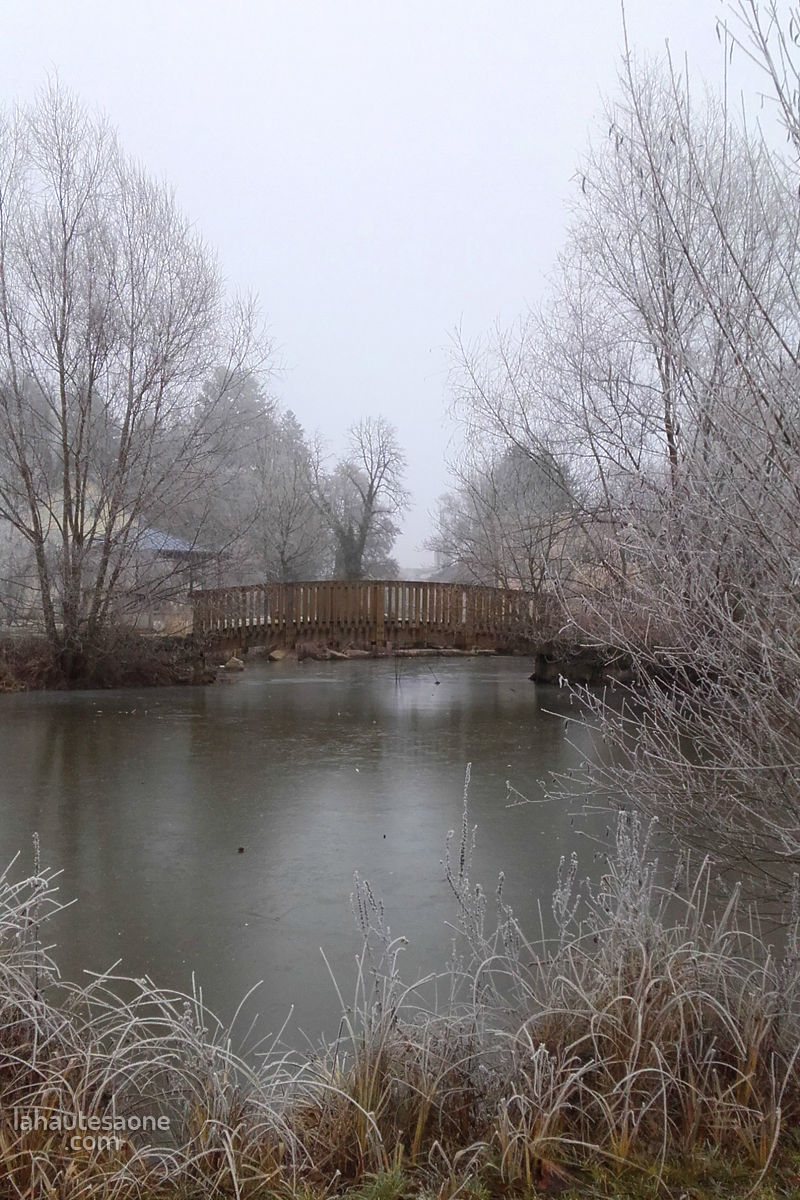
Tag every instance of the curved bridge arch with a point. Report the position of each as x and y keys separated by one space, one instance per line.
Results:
x=369 y=614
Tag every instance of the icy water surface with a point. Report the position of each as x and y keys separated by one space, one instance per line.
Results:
x=317 y=770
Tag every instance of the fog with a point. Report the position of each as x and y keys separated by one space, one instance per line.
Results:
x=378 y=174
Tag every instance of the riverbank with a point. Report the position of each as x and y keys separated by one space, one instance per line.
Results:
x=121 y=659
x=649 y=1050
x=556 y=660
x=128 y=659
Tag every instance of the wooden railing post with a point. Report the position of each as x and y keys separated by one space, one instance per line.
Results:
x=290 y=612
x=469 y=622
x=378 y=614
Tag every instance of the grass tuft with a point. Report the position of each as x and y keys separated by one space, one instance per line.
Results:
x=649 y=1049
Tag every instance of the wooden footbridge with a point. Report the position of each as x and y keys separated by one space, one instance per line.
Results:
x=368 y=614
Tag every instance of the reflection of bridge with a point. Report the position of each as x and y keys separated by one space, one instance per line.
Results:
x=368 y=614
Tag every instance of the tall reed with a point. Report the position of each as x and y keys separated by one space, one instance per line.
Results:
x=652 y=1029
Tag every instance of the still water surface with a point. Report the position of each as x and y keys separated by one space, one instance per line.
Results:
x=318 y=770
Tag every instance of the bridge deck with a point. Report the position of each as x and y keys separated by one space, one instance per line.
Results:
x=371 y=614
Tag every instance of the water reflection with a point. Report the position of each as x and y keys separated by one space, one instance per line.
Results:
x=317 y=770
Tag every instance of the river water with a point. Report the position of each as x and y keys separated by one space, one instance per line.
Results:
x=317 y=770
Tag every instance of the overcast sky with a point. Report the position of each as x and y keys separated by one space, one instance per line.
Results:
x=378 y=171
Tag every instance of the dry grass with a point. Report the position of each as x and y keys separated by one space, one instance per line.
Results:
x=119 y=659
x=651 y=1048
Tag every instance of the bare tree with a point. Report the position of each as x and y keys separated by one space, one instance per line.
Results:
x=291 y=539
x=255 y=510
x=220 y=519
x=112 y=315
x=768 y=33
x=508 y=520
x=361 y=497
x=664 y=371
x=688 y=238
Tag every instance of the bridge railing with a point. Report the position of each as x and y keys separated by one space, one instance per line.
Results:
x=369 y=611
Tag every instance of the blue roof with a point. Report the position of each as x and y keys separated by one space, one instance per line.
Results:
x=165 y=543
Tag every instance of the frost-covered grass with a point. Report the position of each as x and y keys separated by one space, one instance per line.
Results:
x=650 y=1049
